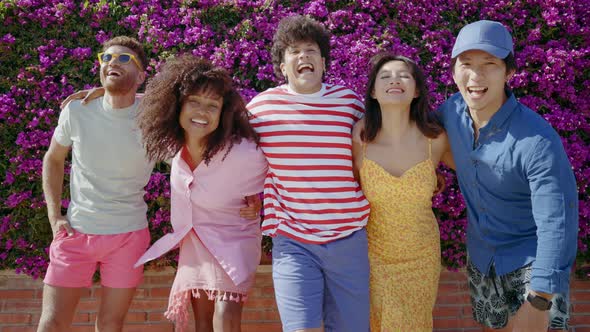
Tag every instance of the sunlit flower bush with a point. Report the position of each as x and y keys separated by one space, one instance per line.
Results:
x=48 y=50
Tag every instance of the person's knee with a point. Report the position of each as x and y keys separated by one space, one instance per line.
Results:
x=110 y=323
x=225 y=311
x=109 y=326
x=203 y=310
x=51 y=323
x=227 y=316
x=54 y=320
x=203 y=325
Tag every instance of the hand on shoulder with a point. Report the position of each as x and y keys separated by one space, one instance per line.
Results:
x=84 y=95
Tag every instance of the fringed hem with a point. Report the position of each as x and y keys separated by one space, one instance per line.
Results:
x=178 y=305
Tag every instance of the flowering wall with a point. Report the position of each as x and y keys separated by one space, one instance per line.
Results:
x=48 y=50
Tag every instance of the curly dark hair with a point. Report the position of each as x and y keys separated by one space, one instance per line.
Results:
x=297 y=28
x=420 y=107
x=159 y=109
x=132 y=44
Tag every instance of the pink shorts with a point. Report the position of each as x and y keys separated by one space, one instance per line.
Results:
x=73 y=259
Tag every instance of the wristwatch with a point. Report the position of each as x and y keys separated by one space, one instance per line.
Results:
x=539 y=302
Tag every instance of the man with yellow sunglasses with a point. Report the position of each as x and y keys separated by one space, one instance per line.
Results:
x=106 y=221
x=123 y=58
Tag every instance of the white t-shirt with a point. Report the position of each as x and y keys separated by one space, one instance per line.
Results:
x=110 y=167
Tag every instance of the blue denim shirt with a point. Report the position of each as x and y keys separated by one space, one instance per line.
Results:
x=520 y=191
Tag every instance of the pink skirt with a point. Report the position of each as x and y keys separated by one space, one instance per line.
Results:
x=199 y=270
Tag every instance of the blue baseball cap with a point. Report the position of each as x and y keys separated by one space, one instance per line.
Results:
x=488 y=36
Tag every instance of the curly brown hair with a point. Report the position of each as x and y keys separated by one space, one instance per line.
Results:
x=132 y=44
x=159 y=109
x=297 y=28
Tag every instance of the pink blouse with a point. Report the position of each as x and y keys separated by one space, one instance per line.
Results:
x=209 y=200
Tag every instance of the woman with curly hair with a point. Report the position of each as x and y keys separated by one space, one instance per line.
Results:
x=191 y=111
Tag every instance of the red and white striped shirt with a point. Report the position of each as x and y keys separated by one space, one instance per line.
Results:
x=310 y=193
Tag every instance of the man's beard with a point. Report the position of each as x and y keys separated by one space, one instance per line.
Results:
x=119 y=86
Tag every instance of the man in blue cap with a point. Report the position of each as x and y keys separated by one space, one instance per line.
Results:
x=522 y=202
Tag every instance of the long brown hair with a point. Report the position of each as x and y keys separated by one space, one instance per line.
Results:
x=420 y=107
x=159 y=109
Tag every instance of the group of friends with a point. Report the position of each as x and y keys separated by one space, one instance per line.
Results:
x=347 y=190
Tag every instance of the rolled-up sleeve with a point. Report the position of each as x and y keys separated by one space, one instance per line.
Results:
x=555 y=210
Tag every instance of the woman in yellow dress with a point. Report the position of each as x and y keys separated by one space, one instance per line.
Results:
x=396 y=149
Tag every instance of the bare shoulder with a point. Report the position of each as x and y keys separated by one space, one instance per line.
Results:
x=356 y=130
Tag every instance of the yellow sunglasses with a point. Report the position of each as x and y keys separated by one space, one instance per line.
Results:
x=121 y=57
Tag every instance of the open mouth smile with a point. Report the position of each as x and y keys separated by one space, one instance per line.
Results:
x=113 y=72
x=305 y=68
x=200 y=121
x=394 y=90
x=477 y=91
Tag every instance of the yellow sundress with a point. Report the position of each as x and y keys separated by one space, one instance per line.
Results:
x=404 y=246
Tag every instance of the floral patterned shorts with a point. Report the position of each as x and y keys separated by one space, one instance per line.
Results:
x=495 y=299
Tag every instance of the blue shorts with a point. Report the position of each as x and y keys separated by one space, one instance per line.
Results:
x=322 y=283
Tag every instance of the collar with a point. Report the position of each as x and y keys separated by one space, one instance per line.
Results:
x=125 y=112
x=180 y=164
x=317 y=94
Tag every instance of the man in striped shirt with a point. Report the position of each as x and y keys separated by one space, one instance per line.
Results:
x=314 y=208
